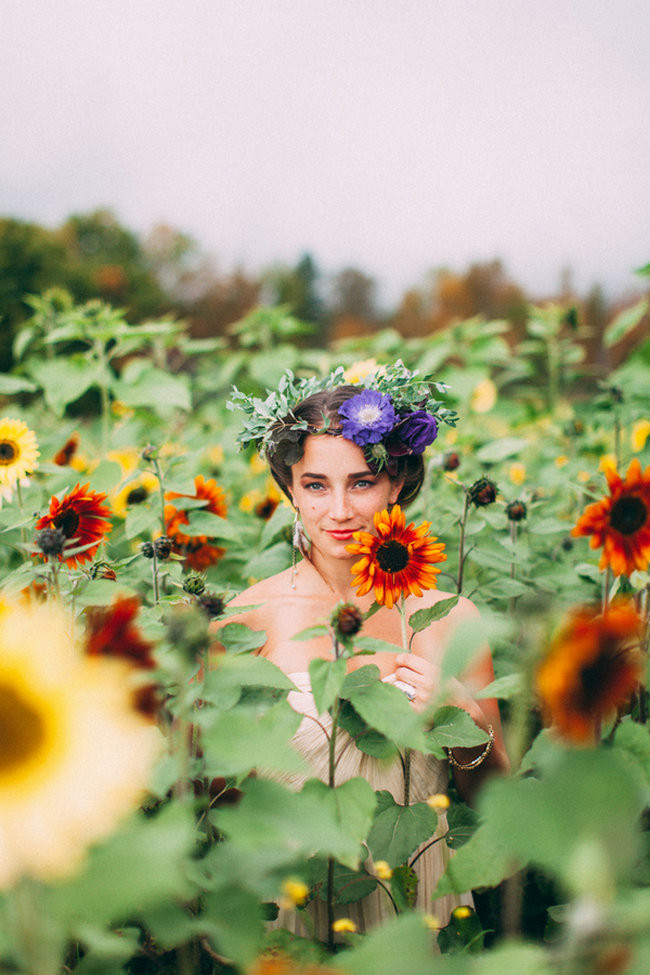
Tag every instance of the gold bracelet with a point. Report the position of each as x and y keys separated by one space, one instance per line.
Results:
x=479 y=758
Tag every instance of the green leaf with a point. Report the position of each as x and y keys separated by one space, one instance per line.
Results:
x=503 y=688
x=140 y=866
x=239 y=638
x=208 y=523
x=327 y=678
x=228 y=670
x=384 y=707
x=140 y=520
x=241 y=740
x=453 y=728
x=64 y=380
x=312 y=632
x=421 y=618
x=625 y=322
x=397 y=831
x=632 y=742
x=10 y=385
x=349 y=885
x=374 y=645
x=404 y=943
x=498 y=450
x=463 y=823
x=153 y=388
x=232 y=918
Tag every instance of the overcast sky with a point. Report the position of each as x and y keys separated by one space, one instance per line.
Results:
x=393 y=135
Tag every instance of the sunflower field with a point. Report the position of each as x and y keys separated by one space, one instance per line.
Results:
x=144 y=826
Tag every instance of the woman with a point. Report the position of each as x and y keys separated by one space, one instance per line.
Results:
x=342 y=454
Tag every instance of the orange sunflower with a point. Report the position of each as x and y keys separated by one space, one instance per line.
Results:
x=198 y=550
x=620 y=523
x=82 y=518
x=398 y=560
x=591 y=670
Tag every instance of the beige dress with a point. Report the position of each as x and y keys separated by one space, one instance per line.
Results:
x=428 y=776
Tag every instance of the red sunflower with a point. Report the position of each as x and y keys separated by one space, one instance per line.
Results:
x=198 y=550
x=111 y=631
x=398 y=560
x=83 y=519
x=591 y=670
x=620 y=523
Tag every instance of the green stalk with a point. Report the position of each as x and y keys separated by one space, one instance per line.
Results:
x=461 y=545
x=407 y=751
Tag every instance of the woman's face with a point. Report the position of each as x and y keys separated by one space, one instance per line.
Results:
x=336 y=492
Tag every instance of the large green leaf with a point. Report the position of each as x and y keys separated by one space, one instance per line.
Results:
x=453 y=728
x=384 y=707
x=232 y=918
x=397 y=830
x=65 y=380
x=625 y=322
x=241 y=740
x=275 y=824
x=239 y=638
x=326 y=678
x=247 y=670
x=422 y=618
x=404 y=944
x=144 y=385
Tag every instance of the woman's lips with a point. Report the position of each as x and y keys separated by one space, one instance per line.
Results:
x=342 y=535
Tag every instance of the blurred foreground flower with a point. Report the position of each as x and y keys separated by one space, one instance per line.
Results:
x=198 y=550
x=18 y=454
x=82 y=518
x=398 y=560
x=620 y=523
x=483 y=397
x=111 y=631
x=74 y=755
x=591 y=670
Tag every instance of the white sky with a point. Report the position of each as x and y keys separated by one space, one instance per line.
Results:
x=394 y=135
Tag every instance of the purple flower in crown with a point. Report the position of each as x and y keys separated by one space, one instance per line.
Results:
x=412 y=434
x=367 y=417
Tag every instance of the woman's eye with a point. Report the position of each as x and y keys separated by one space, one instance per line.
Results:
x=313 y=486
x=364 y=483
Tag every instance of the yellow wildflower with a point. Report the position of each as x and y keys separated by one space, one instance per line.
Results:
x=295 y=892
x=439 y=801
x=484 y=396
x=639 y=435
x=383 y=870
x=607 y=463
x=517 y=473
x=344 y=925
x=135 y=491
x=561 y=460
x=431 y=922
x=359 y=370
x=461 y=913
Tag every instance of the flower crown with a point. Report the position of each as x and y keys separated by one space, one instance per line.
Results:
x=394 y=414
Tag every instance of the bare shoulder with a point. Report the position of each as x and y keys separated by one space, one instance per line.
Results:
x=256 y=600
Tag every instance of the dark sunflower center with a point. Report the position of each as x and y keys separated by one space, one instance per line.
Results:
x=21 y=729
x=68 y=522
x=628 y=515
x=8 y=452
x=137 y=495
x=392 y=556
x=597 y=676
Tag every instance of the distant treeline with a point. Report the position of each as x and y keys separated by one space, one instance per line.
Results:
x=166 y=272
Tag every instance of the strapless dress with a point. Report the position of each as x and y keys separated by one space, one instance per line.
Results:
x=429 y=775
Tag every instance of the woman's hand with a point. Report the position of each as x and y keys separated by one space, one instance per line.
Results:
x=421 y=675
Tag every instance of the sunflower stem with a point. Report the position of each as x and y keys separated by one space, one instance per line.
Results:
x=154 y=573
x=461 y=545
x=331 y=781
x=407 y=752
x=513 y=563
x=161 y=489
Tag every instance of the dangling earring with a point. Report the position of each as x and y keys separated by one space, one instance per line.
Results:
x=300 y=543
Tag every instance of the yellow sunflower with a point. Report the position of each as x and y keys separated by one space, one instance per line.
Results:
x=135 y=491
x=18 y=453
x=74 y=754
x=398 y=560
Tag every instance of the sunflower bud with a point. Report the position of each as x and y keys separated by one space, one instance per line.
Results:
x=147 y=550
x=51 y=541
x=451 y=461
x=516 y=511
x=102 y=570
x=211 y=603
x=347 y=620
x=483 y=492
x=194 y=583
x=149 y=452
x=163 y=547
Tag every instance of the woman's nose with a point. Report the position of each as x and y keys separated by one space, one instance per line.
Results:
x=340 y=506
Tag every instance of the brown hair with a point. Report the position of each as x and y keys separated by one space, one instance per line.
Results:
x=321 y=410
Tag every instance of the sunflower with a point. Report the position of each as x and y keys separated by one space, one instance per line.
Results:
x=620 y=523
x=135 y=491
x=398 y=560
x=74 y=754
x=591 y=670
x=198 y=550
x=82 y=518
x=111 y=631
x=18 y=454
